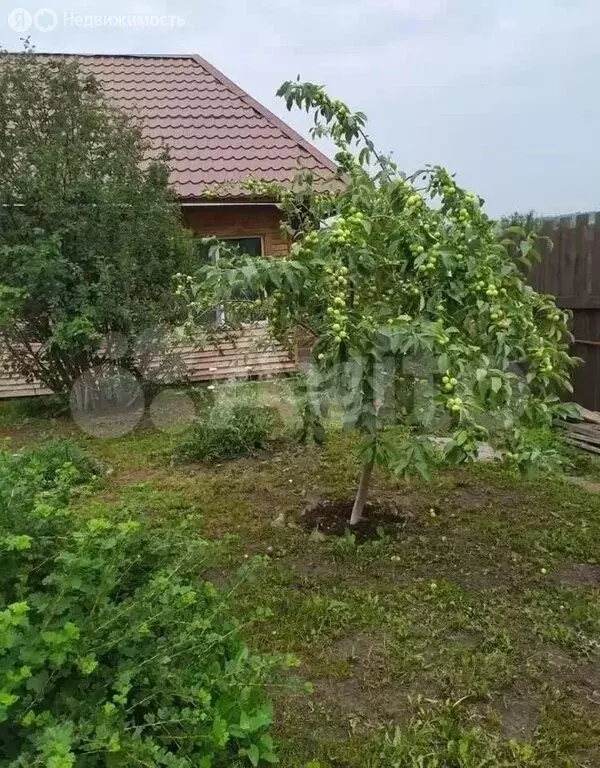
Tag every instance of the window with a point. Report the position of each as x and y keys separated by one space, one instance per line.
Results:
x=252 y=246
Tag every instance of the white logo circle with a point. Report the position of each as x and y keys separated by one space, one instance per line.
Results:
x=172 y=411
x=20 y=20
x=46 y=20
x=107 y=401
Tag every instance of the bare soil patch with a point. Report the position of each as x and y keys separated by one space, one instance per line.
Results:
x=481 y=577
x=312 y=569
x=366 y=696
x=582 y=676
x=582 y=482
x=473 y=498
x=578 y=575
x=365 y=650
x=333 y=518
x=376 y=704
x=469 y=499
x=135 y=476
x=519 y=716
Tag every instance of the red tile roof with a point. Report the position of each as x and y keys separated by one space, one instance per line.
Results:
x=216 y=133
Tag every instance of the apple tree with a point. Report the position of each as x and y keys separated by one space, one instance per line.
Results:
x=402 y=283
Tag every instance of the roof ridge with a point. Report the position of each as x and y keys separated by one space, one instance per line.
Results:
x=267 y=114
x=190 y=56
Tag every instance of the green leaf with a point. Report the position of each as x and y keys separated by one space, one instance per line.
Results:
x=396 y=340
x=250 y=272
x=461 y=437
x=253 y=754
x=526 y=246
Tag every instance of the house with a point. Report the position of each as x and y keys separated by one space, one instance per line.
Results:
x=217 y=136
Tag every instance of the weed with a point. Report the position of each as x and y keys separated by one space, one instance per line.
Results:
x=227 y=434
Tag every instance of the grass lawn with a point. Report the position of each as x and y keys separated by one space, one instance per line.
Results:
x=480 y=608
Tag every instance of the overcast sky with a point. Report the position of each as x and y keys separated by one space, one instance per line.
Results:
x=502 y=92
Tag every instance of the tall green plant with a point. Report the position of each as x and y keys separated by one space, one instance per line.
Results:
x=397 y=280
x=114 y=651
x=90 y=231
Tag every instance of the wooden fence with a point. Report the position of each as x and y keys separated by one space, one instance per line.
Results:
x=252 y=354
x=570 y=269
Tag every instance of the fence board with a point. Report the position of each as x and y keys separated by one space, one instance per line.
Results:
x=252 y=354
x=570 y=269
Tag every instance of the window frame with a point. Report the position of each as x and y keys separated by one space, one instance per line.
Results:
x=213 y=252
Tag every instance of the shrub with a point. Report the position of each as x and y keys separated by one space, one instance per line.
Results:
x=90 y=231
x=53 y=468
x=203 y=396
x=109 y=653
x=227 y=433
x=18 y=411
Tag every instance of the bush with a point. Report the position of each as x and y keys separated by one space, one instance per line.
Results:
x=109 y=653
x=227 y=433
x=76 y=263
x=18 y=411
x=54 y=468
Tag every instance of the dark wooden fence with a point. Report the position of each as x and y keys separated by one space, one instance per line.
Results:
x=570 y=269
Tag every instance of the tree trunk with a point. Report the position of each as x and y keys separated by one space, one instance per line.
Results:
x=361 y=494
